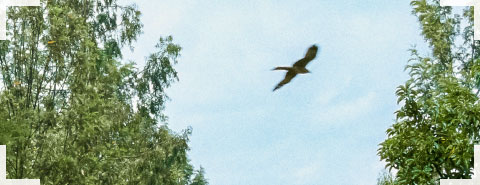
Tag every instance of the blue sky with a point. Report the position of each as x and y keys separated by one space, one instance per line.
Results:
x=321 y=128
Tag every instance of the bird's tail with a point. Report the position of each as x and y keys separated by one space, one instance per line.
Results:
x=282 y=68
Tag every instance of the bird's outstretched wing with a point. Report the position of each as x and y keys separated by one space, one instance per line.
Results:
x=288 y=77
x=311 y=53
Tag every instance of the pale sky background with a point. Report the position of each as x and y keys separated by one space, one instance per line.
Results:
x=320 y=129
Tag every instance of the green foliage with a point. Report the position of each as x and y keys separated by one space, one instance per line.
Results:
x=73 y=113
x=200 y=178
x=439 y=121
x=385 y=178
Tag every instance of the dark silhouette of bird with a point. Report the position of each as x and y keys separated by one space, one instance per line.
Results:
x=298 y=67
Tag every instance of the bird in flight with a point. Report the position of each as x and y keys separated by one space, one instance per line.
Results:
x=298 y=67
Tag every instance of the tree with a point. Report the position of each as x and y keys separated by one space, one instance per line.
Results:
x=73 y=113
x=385 y=178
x=439 y=120
x=200 y=178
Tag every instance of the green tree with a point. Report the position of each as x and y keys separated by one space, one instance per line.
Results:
x=200 y=178
x=73 y=113
x=385 y=178
x=439 y=119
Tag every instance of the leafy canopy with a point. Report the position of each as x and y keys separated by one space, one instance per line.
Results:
x=439 y=119
x=73 y=113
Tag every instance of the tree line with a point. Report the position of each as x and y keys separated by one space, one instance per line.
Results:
x=73 y=112
x=438 y=121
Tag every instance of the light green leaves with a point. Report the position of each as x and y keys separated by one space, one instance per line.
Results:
x=438 y=123
x=73 y=113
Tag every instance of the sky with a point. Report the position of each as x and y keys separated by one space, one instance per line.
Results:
x=322 y=128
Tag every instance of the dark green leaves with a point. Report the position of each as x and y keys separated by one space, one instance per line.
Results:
x=73 y=113
x=157 y=75
x=438 y=122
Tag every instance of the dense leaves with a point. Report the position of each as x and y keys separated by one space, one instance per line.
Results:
x=439 y=121
x=73 y=113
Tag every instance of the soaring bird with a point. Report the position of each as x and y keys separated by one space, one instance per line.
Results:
x=298 y=67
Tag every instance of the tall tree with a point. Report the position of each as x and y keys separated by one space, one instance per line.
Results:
x=385 y=178
x=439 y=119
x=73 y=113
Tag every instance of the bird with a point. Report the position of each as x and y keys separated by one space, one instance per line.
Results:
x=298 y=67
